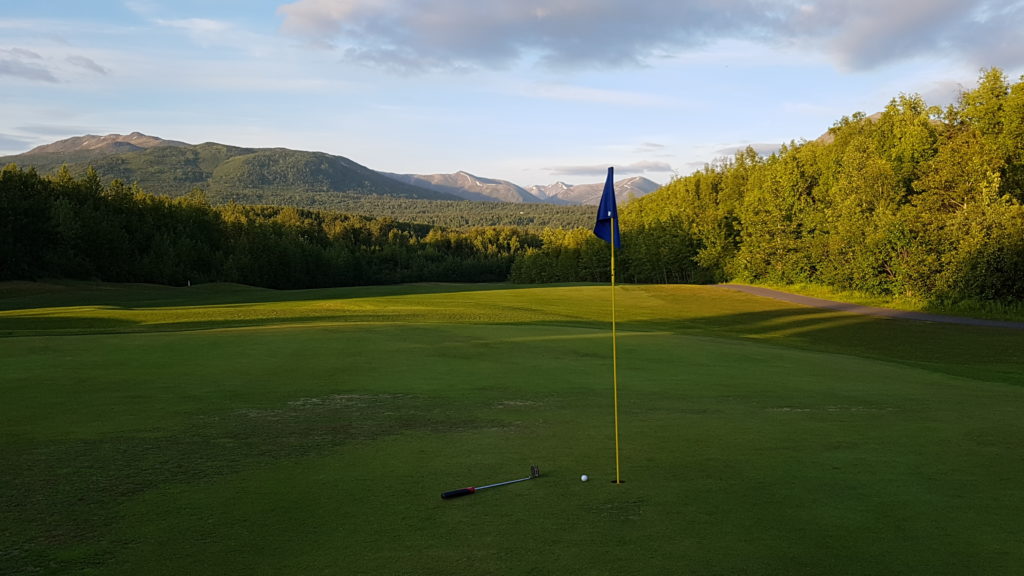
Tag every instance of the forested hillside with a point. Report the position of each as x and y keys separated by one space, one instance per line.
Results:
x=279 y=177
x=917 y=201
x=224 y=173
x=67 y=227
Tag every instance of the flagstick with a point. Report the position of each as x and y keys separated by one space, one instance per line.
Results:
x=615 y=360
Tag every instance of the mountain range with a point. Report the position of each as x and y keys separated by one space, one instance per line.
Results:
x=470 y=187
x=270 y=175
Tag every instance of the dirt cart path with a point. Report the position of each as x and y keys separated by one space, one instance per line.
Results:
x=869 y=310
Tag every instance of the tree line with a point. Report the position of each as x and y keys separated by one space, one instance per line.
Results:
x=68 y=227
x=915 y=201
x=443 y=213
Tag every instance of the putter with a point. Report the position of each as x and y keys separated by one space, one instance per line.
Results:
x=534 y=473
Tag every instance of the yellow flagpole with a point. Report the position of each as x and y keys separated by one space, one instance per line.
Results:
x=615 y=360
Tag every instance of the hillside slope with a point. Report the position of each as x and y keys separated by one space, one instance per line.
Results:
x=225 y=173
x=468 y=186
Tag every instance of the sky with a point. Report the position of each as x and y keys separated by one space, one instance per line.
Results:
x=530 y=91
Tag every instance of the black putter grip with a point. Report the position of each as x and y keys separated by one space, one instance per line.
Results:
x=457 y=493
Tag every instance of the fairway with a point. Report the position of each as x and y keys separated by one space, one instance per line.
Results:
x=223 y=429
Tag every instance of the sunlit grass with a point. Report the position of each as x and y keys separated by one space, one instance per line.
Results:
x=231 y=430
x=971 y=309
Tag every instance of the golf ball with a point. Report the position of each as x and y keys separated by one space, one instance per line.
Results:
x=584 y=478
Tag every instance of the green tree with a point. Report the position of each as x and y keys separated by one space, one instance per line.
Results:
x=27 y=229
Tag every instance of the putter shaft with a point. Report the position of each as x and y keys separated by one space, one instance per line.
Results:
x=534 y=473
x=502 y=483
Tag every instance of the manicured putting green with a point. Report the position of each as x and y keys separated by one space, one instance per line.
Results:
x=230 y=430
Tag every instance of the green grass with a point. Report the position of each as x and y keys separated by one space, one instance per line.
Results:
x=990 y=309
x=232 y=430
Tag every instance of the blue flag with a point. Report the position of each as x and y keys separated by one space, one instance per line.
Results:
x=607 y=214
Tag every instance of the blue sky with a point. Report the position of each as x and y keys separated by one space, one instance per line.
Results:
x=531 y=91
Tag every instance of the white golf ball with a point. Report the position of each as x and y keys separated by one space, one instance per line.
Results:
x=584 y=478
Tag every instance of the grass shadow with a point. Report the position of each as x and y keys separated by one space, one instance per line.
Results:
x=30 y=295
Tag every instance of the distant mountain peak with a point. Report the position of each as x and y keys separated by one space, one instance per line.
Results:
x=590 y=194
x=108 y=143
x=468 y=186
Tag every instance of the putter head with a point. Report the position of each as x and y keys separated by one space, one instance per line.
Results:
x=534 y=471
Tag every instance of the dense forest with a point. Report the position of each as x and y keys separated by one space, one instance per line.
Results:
x=914 y=201
x=67 y=227
x=446 y=213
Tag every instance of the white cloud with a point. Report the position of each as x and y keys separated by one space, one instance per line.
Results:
x=762 y=148
x=942 y=93
x=197 y=26
x=87 y=64
x=869 y=33
x=433 y=34
x=207 y=33
x=324 y=18
x=22 y=53
x=445 y=33
x=651 y=149
x=598 y=95
x=48 y=130
x=643 y=167
x=142 y=7
x=203 y=31
x=24 y=64
x=13 y=144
